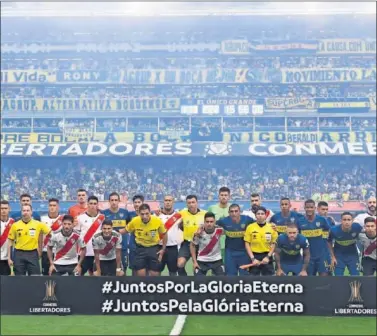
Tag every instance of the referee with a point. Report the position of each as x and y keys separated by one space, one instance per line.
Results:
x=260 y=239
x=148 y=229
x=24 y=235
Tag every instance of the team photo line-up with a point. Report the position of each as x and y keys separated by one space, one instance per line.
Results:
x=257 y=241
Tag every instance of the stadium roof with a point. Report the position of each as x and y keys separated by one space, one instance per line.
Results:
x=177 y=8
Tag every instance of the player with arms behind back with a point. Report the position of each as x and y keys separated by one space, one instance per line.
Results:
x=89 y=223
x=171 y=219
x=81 y=206
x=235 y=226
x=65 y=242
x=207 y=238
x=314 y=228
x=119 y=218
x=368 y=242
x=54 y=221
x=342 y=244
x=107 y=247
x=288 y=257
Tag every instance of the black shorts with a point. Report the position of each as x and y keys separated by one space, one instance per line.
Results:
x=108 y=267
x=184 y=250
x=147 y=258
x=170 y=259
x=267 y=269
x=217 y=268
x=369 y=266
x=87 y=265
x=4 y=267
x=64 y=269
x=26 y=262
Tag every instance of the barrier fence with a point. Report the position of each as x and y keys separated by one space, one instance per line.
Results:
x=315 y=296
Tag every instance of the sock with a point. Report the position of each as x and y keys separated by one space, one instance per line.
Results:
x=173 y=273
x=182 y=271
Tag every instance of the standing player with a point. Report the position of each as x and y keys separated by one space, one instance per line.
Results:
x=235 y=226
x=207 y=239
x=255 y=201
x=370 y=213
x=119 y=218
x=260 y=239
x=171 y=219
x=148 y=253
x=221 y=209
x=89 y=223
x=314 y=228
x=6 y=224
x=192 y=219
x=285 y=217
x=107 y=246
x=342 y=245
x=25 y=199
x=292 y=254
x=81 y=206
x=54 y=221
x=65 y=242
x=368 y=241
x=137 y=201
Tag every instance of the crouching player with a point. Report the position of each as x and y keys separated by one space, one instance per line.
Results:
x=107 y=247
x=209 y=252
x=288 y=250
x=65 y=242
x=342 y=244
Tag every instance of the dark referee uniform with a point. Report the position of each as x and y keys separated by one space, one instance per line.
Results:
x=25 y=237
x=147 y=237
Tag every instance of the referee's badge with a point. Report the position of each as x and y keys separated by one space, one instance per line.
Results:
x=153 y=234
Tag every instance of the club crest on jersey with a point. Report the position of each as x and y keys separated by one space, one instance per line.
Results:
x=121 y=215
x=354 y=234
x=318 y=224
x=292 y=219
x=243 y=226
x=297 y=246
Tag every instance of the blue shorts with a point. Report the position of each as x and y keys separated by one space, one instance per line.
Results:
x=233 y=260
x=318 y=265
x=347 y=261
x=295 y=269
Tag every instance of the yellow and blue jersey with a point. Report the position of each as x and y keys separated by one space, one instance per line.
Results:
x=315 y=231
x=235 y=232
x=282 y=221
x=345 y=242
x=120 y=220
x=290 y=252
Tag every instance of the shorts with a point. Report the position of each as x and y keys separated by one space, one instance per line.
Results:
x=295 y=269
x=318 y=265
x=64 y=270
x=184 y=250
x=369 y=266
x=26 y=262
x=4 y=267
x=87 y=265
x=108 y=267
x=170 y=259
x=233 y=260
x=147 y=258
x=267 y=269
x=216 y=267
x=347 y=261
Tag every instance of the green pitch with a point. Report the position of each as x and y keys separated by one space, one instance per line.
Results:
x=195 y=325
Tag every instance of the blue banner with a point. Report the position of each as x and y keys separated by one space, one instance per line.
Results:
x=122 y=149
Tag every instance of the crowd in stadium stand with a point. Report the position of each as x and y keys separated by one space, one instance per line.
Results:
x=330 y=180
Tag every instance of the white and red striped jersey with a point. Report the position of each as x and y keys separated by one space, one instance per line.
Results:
x=49 y=221
x=84 y=223
x=209 y=245
x=175 y=235
x=4 y=239
x=251 y=214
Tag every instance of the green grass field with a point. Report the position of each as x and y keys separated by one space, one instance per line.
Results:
x=195 y=325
